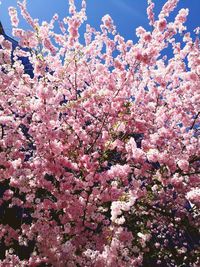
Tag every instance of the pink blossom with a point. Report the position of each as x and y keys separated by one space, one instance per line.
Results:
x=162 y=25
x=150 y=12
x=183 y=165
x=194 y=196
x=108 y=23
x=13 y=16
x=99 y=145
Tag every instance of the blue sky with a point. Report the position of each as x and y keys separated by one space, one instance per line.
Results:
x=127 y=14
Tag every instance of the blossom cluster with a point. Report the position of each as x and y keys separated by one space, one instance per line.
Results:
x=100 y=147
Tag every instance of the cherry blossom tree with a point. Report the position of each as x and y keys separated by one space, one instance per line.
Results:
x=100 y=149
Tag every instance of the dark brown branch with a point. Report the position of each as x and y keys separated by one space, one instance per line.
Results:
x=196 y=117
x=2 y=131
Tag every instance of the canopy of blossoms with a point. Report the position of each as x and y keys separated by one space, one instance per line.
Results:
x=100 y=148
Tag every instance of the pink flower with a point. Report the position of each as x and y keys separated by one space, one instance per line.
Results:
x=108 y=23
x=150 y=12
x=183 y=165
x=168 y=7
x=80 y=141
x=194 y=195
x=153 y=155
x=13 y=16
x=162 y=24
x=7 y=194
